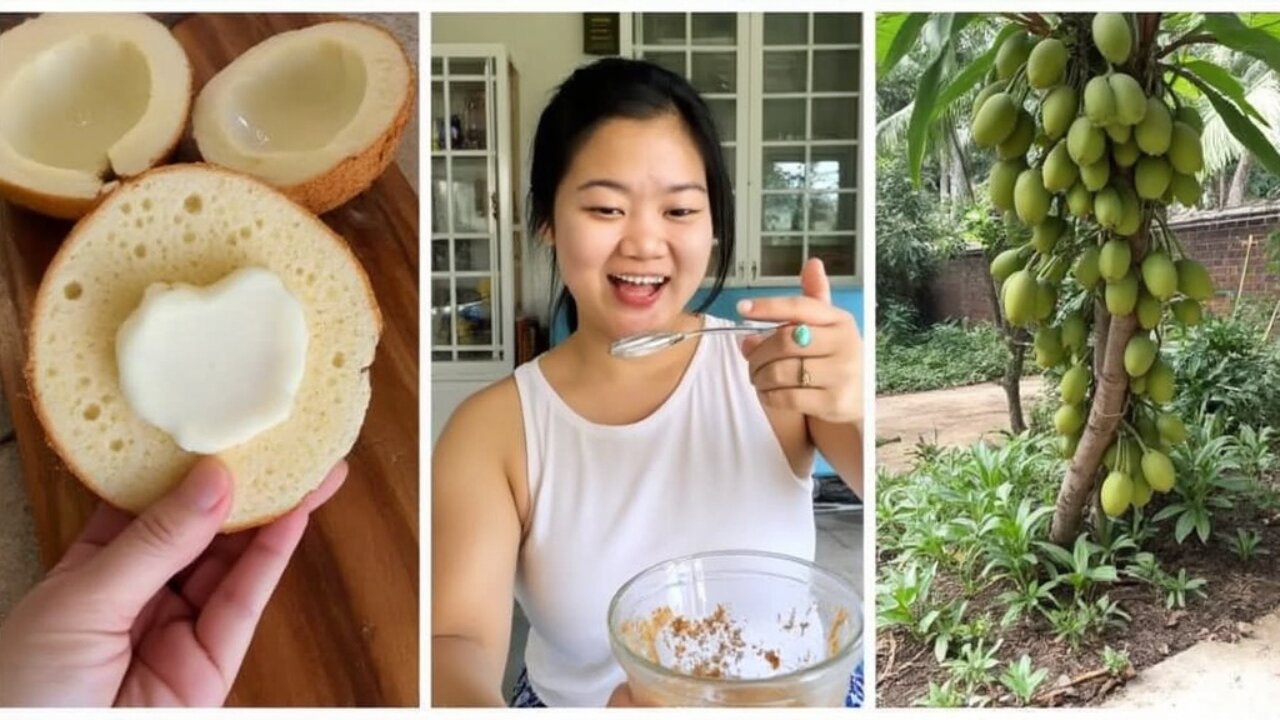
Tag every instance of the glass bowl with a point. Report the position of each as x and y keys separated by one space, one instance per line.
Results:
x=737 y=628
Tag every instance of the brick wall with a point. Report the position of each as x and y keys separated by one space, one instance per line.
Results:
x=1216 y=238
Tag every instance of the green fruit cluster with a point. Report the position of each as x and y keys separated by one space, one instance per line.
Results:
x=1090 y=156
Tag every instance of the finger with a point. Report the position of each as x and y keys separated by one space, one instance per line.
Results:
x=814 y=282
x=791 y=373
x=622 y=697
x=807 y=401
x=163 y=540
x=327 y=488
x=792 y=309
x=104 y=525
x=751 y=342
x=227 y=622
x=786 y=343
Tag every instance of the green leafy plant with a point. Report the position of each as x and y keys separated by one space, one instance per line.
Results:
x=1031 y=597
x=1022 y=680
x=1072 y=622
x=1080 y=569
x=1244 y=544
x=946 y=695
x=1208 y=472
x=1178 y=587
x=973 y=666
x=1115 y=661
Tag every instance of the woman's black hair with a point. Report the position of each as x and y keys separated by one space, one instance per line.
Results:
x=638 y=90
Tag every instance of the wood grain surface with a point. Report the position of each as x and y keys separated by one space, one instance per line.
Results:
x=342 y=628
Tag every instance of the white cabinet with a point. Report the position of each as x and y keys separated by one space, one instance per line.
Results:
x=785 y=89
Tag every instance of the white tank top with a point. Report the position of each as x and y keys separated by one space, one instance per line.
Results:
x=703 y=472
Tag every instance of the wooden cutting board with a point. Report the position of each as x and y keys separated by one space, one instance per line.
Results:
x=342 y=628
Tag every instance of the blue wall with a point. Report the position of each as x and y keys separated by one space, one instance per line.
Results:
x=725 y=306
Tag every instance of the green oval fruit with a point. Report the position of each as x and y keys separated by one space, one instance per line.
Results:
x=1086 y=270
x=1059 y=171
x=1099 y=101
x=1066 y=445
x=995 y=121
x=1130 y=212
x=1185 y=152
x=1030 y=199
x=1158 y=470
x=1019 y=141
x=1074 y=333
x=1109 y=457
x=1141 y=493
x=1112 y=37
x=984 y=95
x=1133 y=457
x=1138 y=386
x=1013 y=52
x=1046 y=298
x=1148 y=311
x=1108 y=208
x=1159 y=275
x=1188 y=312
x=1122 y=295
x=1155 y=132
x=1193 y=280
x=1019 y=296
x=1096 y=175
x=1126 y=154
x=1057 y=110
x=1146 y=428
x=1004 y=176
x=1006 y=264
x=1117 y=493
x=1114 y=260
x=1058 y=269
x=1152 y=176
x=1079 y=200
x=1187 y=114
x=1048 y=346
x=1118 y=133
x=1160 y=382
x=1085 y=143
x=1046 y=234
x=1075 y=382
x=1138 y=355
x=1068 y=419
x=1186 y=189
x=1171 y=428
x=1046 y=64
x=1130 y=101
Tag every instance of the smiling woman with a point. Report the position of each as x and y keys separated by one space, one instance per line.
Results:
x=560 y=483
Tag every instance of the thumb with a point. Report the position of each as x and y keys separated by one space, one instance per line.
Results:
x=814 y=282
x=162 y=541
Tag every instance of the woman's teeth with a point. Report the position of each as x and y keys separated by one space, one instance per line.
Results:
x=640 y=279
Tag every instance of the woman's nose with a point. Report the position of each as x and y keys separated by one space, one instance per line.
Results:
x=642 y=237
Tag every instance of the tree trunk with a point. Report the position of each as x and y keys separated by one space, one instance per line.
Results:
x=1239 y=181
x=1012 y=380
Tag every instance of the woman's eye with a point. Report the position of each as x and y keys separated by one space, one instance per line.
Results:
x=606 y=211
x=682 y=212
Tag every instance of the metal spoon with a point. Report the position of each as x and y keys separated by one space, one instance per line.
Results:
x=649 y=343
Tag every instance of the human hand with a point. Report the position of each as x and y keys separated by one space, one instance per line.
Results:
x=830 y=362
x=622 y=697
x=157 y=610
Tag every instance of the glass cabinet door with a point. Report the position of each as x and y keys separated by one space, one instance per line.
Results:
x=466 y=308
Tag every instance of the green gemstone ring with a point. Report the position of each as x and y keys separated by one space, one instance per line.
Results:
x=802 y=335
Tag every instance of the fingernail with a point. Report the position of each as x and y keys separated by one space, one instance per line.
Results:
x=205 y=486
x=744 y=306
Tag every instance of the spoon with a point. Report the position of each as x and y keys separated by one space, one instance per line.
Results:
x=649 y=343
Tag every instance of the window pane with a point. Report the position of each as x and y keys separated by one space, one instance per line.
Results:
x=673 y=61
x=439 y=124
x=662 y=29
x=715 y=29
x=837 y=28
x=469 y=195
x=784 y=119
x=481 y=355
x=785 y=71
x=441 y=356
x=832 y=211
x=471 y=253
x=833 y=167
x=437 y=66
x=439 y=196
x=715 y=72
x=835 y=118
x=784 y=168
x=835 y=70
x=781 y=255
x=783 y=213
x=467 y=116
x=837 y=252
x=475 y=311
x=467 y=66
x=725 y=113
x=440 y=255
x=441 y=313
x=730 y=164
x=786 y=28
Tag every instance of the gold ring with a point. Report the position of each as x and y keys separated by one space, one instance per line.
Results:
x=805 y=379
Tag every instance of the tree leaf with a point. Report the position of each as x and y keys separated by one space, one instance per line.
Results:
x=922 y=113
x=1186 y=523
x=1233 y=33
x=896 y=34
x=1225 y=83
x=971 y=75
x=1245 y=131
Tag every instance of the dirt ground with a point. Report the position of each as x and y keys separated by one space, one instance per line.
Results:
x=970 y=413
